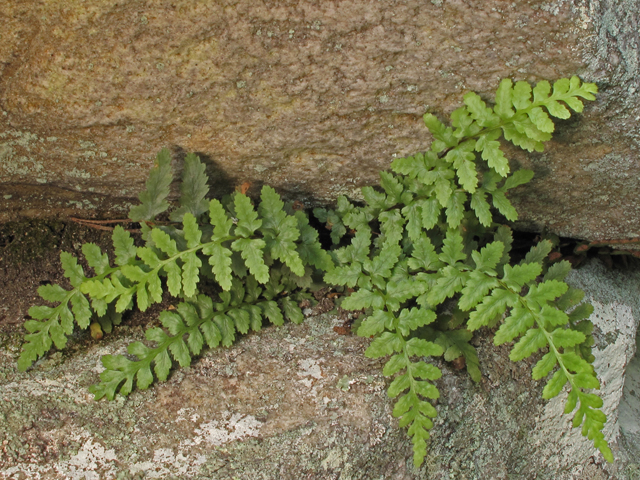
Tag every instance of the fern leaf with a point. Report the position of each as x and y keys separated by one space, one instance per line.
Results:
x=148 y=256
x=221 y=222
x=384 y=345
x=292 y=310
x=462 y=158
x=413 y=215
x=190 y=273
x=363 y=298
x=452 y=251
x=521 y=95
x=424 y=256
x=52 y=292
x=443 y=190
x=376 y=323
x=554 y=385
x=558 y=271
x=492 y=153
x=455 y=208
x=192 y=233
x=481 y=207
x=95 y=258
x=380 y=266
x=392 y=187
x=541 y=91
x=557 y=109
x=519 y=177
x=488 y=258
x=72 y=270
x=283 y=247
x=477 y=286
x=81 y=309
x=376 y=200
x=450 y=282
x=251 y=251
x=431 y=209
x=504 y=95
x=123 y=245
x=248 y=221
x=347 y=275
x=309 y=248
x=520 y=139
x=455 y=343
x=412 y=167
x=541 y=120
x=544 y=366
x=503 y=205
x=411 y=319
x=546 y=291
x=241 y=318
x=538 y=252
x=391 y=226
x=193 y=189
x=220 y=261
x=531 y=342
x=163 y=242
x=153 y=198
x=479 y=110
x=271 y=310
x=492 y=306
x=519 y=275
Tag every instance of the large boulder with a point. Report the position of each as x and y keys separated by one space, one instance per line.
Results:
x=313 y=98
x=303 y=402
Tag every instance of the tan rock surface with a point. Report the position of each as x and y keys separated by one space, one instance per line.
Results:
x=311 y=97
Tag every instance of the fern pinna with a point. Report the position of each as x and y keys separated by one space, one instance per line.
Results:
x=430 y=265
x=426 y=260
x=261 y=259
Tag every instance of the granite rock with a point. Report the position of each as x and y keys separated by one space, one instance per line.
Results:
x=301 y=401
x=311 y=97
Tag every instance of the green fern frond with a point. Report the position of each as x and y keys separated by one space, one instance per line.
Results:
x=441 y=202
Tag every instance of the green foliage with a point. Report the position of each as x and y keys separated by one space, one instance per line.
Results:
x=425 y=256
x=430 y=265
x=261 y=259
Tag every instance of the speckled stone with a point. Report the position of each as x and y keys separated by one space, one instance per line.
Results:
x=301 y=402
x=312 y=97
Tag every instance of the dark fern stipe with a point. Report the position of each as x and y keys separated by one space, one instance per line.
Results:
x=426 y=258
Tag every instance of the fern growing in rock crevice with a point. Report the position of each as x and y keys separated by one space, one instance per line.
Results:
x=260 y=258
x=426 y=260
x=436 y=268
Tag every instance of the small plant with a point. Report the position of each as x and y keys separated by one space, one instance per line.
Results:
x=425 y=260
x=262 y=260
x=430 y=265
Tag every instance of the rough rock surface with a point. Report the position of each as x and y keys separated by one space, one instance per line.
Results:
x=301 y=402
x=311 y=97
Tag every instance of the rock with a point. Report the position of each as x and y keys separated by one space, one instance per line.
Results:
x=313 y=99
x=303 y=402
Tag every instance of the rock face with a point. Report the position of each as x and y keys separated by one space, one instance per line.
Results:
x=311 y=97
x=303 y=402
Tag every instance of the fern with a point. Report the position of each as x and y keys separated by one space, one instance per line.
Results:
x=425 y=257
x=260 y=258
x=427 y=282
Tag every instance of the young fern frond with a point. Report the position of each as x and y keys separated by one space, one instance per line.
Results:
x=426 y=261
